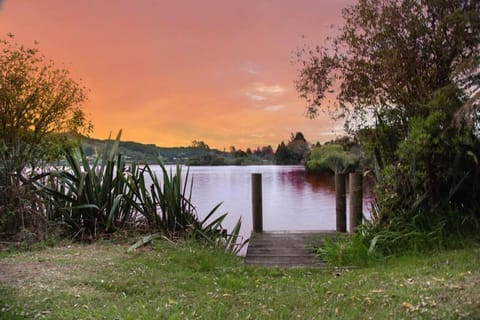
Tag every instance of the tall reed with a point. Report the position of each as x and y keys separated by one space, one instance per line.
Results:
x=165 y=205
x=90 y=197
x=106 y=194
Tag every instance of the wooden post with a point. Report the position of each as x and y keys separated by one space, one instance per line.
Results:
x=356 y=200
x=341 y=202
x=257 y=210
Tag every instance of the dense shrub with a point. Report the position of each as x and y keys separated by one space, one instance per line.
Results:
x=333 y=158
x=104 y=195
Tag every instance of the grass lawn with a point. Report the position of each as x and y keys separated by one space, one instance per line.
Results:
x=188 y=281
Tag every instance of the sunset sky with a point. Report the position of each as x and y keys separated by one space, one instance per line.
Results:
x=169 y=72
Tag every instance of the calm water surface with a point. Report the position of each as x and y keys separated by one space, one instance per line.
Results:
x=292 y=198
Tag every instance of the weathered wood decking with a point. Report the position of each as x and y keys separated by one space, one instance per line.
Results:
x=285 y=248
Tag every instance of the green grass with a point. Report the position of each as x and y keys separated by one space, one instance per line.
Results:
x=189 y=281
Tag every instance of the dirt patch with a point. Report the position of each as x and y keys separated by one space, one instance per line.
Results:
x=467 y=295
x=54 y=266
x=32 y=274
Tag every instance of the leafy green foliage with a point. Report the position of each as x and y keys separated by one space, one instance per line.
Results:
x=332 y=158
x=386 y=78
x=164 y=203
x=89 y=197
x=352 y=250
x=408 y=79
x=105 y=195
x=38 y=105
x=432 y=194
x=391 y=57
x=36 y=100
x=404 y=236
x=429 y=198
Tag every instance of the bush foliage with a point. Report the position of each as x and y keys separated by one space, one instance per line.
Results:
x=406 y=76
x=92 y=198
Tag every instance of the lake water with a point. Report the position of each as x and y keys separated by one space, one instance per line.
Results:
x=292 y=198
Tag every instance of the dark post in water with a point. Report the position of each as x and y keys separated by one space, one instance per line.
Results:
x=341 y=202
x=356 y=201
x=257 y=218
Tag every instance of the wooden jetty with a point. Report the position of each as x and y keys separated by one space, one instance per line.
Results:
x=296 y=248
x=285 y=248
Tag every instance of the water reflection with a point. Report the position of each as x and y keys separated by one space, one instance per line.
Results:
x=292 y=198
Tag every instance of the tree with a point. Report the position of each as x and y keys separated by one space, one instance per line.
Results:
x=39 y=104
x=294 y=152
x=407 y=81
x=390 y=59
x=267 y=150
x=283 y=154
x=332 y=157
x=342 y=155
x=298 y=147
x=297 y=137
x=199 y=144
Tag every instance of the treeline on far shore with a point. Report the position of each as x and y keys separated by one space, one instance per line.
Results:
x=198 y=153
x=340 y=154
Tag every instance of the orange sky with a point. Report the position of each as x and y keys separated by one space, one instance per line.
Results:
x=169 y=72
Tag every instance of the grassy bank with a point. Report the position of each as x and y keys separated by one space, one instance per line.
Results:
x=187 y=281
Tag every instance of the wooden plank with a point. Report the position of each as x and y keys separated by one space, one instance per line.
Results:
x=285 y=248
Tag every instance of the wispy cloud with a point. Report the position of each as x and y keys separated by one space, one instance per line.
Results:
x=271 y=90
x=186 y=74
x=262 y=135
x=274 y=108
x=261 y=92
x=255 y=97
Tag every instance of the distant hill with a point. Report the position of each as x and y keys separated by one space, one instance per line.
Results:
x=149 y=153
